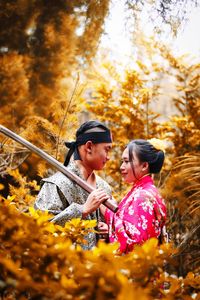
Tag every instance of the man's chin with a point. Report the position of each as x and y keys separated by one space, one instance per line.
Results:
x=99 y=168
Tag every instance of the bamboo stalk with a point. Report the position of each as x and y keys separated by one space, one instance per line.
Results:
x=112 y=205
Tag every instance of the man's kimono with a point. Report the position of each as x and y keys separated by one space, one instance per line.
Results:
x=64 y=198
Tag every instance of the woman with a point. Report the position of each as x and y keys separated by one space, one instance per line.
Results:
x=142 y=212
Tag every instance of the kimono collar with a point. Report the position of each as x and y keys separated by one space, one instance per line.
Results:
x=75 y=169
x=143 y=180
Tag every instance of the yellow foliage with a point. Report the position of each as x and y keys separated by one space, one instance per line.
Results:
x=158 y=144
x=124 y=102
x=37 y=257
x=38 y=69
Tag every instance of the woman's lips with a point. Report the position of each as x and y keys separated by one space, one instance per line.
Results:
x=123 y=174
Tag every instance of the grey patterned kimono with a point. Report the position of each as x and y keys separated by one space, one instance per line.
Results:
x=64 y=198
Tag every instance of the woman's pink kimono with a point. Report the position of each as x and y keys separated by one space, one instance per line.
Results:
x=141 y=215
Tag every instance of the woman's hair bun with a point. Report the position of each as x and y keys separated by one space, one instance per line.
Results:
x=157 y=164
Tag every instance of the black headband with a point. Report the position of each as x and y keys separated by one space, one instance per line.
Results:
x=95 y=137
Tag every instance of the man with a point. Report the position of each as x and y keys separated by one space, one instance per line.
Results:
x=64 y=198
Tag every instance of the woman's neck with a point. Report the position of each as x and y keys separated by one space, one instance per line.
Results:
x=147 y=174
x=143 y=176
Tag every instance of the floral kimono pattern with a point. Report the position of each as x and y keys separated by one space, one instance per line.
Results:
x=141 y=216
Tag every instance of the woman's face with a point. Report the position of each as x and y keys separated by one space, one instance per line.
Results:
x=126 y=168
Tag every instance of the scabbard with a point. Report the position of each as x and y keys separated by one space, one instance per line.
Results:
x=111 y=203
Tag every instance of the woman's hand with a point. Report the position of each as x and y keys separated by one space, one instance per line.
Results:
x=102 y=227
x=103 y=231
x=94 y=200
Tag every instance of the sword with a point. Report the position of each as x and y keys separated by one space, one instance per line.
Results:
x=111 y=204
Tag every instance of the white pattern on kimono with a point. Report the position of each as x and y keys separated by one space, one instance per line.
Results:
x=147 y=205
x=144 y=222
x=131 y=211
x=133 y=230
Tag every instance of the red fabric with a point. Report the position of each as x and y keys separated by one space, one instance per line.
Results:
x=141 y=216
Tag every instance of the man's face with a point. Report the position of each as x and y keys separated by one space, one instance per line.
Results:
x=100 y=155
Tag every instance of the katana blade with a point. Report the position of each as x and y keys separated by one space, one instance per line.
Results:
x=111 y=204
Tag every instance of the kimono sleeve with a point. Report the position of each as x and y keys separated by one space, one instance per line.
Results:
x=137 y=225
x=50 y=198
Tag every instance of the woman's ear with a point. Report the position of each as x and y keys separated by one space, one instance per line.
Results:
x=145 y=166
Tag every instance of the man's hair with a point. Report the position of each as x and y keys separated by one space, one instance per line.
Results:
x=95 y=131
x=91 y=126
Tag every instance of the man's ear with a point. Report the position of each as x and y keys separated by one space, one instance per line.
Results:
x=88 y=146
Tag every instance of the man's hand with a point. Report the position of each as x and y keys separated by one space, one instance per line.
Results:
x=94 y=200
